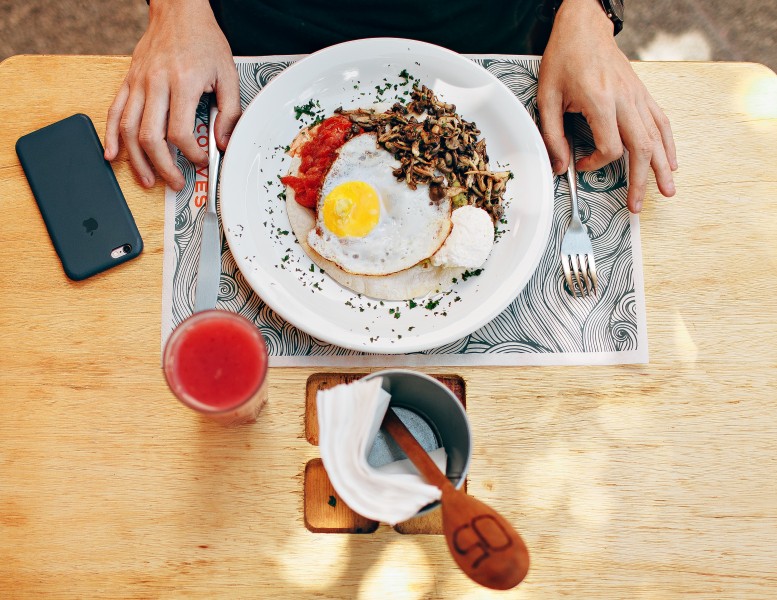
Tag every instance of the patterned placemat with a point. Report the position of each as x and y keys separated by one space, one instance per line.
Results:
x=544 y=325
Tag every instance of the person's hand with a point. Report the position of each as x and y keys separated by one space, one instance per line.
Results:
x=182 y=54
x=584 y=71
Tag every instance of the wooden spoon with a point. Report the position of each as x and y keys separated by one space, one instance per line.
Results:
x=482 y=542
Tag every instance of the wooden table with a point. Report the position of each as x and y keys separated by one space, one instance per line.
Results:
x=652 y=481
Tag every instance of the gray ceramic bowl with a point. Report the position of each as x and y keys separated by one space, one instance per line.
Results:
x=435 y=417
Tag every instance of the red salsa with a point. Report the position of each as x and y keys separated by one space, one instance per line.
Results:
x=317 y=155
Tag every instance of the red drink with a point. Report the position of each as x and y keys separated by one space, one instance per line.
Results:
x=216 y=363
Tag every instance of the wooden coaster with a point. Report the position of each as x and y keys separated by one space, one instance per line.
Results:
x=325 y=512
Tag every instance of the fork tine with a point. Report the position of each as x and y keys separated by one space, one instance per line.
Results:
x=576 y=269
x=584 y=273
x=592 y=268
x=567 y=273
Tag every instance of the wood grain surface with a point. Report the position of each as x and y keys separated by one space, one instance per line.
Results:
x=652 y=481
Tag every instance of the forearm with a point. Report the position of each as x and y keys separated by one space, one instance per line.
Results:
x=179 y=8
x=584 y=13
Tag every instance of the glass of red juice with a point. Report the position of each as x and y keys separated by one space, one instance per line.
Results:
x=215 y=362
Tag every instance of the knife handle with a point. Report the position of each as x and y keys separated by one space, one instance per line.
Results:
x=213 y=155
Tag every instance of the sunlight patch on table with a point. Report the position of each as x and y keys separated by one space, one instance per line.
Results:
x=544 y=476
x=623 y=422
x=324 y=558
x=760 y=97
x=686 y=348
x=402 y=572
x=565 y=480
x=590 y=503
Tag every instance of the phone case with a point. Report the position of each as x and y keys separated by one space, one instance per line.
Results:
x=85 y=212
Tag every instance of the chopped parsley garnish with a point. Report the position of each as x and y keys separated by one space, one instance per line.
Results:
x=306 y=109
x=467 y=274
x=383 y=89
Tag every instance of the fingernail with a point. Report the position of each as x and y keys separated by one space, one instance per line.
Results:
x=556 y=166
x=638 y=206
x=146 y=181
x=670 y=188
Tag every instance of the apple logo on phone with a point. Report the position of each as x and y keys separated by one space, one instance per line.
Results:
x=90 y=225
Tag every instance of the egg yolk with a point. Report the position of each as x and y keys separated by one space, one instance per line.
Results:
x=351 y=209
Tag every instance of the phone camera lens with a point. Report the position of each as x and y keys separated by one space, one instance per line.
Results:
x=126 y=248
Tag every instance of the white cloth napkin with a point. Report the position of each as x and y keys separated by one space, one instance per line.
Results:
x=349 y=417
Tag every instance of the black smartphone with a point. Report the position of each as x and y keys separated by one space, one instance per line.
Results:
x=85 y=212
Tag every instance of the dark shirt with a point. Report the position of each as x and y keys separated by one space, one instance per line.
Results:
x=262 y=27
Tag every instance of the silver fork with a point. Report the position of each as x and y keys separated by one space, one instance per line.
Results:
x=577 y=253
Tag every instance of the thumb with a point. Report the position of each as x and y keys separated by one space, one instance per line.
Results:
x=552 y=125
x=228 y=101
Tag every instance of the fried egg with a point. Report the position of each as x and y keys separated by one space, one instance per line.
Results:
x=367 y=222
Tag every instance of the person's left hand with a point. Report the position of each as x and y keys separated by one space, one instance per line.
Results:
x=182 y=54
x=584 y=71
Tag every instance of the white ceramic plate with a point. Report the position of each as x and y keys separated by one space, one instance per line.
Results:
x=355 y=74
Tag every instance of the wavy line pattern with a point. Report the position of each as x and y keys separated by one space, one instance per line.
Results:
x=540 y=320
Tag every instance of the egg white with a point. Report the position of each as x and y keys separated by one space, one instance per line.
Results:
x=410 y=227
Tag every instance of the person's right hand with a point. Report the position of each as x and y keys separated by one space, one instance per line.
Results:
x=182 y=55
x=584 y=71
